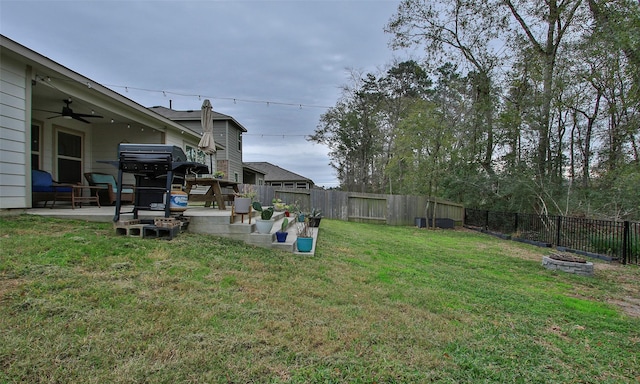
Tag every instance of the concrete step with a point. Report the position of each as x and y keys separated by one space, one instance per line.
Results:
x=239 y=230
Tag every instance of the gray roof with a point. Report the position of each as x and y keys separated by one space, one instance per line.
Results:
x=273 y=173
x=192 y=115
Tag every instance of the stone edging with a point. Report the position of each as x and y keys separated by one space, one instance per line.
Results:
x=584 y=269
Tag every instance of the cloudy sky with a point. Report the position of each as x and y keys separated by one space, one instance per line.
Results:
x=275 y=66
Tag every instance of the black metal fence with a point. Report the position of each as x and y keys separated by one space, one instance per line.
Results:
x=609 y=240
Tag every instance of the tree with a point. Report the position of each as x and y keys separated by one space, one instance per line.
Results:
x=351 y=130
x=544 y=25
x=458 y=32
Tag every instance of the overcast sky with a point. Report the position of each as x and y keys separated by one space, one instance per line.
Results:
x=247 y=57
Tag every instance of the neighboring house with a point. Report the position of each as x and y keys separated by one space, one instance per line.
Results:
x=227 y=133
x=252 y=175
x=38 y=130
x=276 y=176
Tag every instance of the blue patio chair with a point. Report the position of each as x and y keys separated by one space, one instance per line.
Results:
x=44 y=188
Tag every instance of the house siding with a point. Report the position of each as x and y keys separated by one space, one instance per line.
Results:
x=234 y=155
x=14 y=161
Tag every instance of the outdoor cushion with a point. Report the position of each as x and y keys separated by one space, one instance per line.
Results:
x=109 y=179
x=42 y=181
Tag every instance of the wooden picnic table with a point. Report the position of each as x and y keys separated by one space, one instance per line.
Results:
x=214 y=190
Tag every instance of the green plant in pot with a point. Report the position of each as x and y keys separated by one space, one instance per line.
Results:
x=278 y=204
x=281 y=235
x=314 y=218
x=265 y=223
x=293 y=209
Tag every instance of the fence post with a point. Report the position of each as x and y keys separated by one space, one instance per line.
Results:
x=558 y=225
x=626 y=243
x=486 y=220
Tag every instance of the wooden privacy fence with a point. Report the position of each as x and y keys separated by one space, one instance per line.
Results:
x=364 y=207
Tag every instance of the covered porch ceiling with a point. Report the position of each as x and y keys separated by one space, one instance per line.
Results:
x=50 y=94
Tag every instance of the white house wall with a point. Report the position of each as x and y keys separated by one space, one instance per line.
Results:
x=14 y=116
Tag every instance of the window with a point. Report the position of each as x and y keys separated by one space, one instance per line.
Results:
x=240 y=141
x=35 y=146
x=69 y=157
x=195 y=154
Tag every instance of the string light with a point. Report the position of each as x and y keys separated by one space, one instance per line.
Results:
x=235 y=100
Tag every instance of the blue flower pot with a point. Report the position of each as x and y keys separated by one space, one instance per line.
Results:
x=281 y=236
x=304 y=244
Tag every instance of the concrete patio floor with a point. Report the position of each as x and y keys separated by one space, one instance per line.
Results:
x=107 y=213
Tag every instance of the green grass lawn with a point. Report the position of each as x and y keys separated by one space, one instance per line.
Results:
x=376 y=304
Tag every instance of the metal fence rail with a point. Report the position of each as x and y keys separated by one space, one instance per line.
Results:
x=611 y=240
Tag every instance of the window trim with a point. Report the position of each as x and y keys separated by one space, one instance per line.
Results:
x=39 y=125
x=57 y=157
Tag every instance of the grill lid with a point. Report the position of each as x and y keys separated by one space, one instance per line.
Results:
x=156 y=159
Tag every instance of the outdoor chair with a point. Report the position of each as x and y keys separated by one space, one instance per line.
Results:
x=109 y=188
x=44 y=188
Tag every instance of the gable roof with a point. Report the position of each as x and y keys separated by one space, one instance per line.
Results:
x=274 y=173
x=193 y=115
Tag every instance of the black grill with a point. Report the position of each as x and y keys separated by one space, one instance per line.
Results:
x=155 y=167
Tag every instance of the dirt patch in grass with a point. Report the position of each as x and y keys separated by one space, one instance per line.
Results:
x=630 y=305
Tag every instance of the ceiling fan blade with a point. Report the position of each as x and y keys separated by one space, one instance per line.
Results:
x=87 y=115
x=53 y=117
x=75 y=116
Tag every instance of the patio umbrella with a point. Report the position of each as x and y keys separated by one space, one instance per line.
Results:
x=207 y=144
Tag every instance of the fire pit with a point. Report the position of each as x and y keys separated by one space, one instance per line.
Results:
x=568 y=263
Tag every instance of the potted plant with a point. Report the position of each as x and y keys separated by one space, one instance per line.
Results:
x=243 y=200
x=265 y=223
x=304 y=242
x=278 y=205
x=314 y=218
x=291 y=208
x=218 y=174
x=281 y=235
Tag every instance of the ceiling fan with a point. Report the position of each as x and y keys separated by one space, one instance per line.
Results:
x=68 y=113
